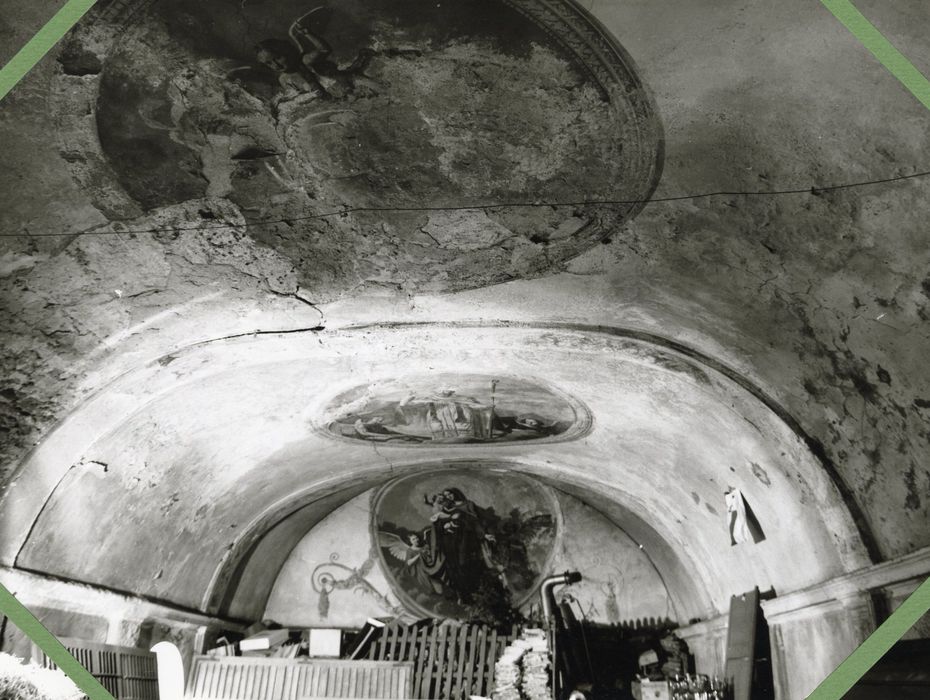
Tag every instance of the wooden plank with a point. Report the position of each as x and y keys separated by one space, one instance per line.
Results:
x=436 y=666
x=261 y=682
x=482 y=650
x=458 y=660
x=362 y=684
x=423 y=656
x=258 y=687
x=470 y=668
x=741 y=642
x=460 y=665
x=410 y=641
x=347 y=681
x=211 y=680
x=446 y=665
x=383 y=678
x=240 y=684
x=209 y=673
x=314 y=680
x=491 y=660
x=121 y=690
x=417 y=674
x=289 y=681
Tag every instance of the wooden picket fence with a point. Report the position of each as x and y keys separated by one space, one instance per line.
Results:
x=450 y=662
x=126 y=672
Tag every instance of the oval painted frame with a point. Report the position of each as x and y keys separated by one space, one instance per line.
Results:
x=454 y=410
x=497 y=489
x=576 y=38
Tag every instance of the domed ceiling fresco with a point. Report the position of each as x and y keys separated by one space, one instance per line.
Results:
x=447 y=409
x=373 y=140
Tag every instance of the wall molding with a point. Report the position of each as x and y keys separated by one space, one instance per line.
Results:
x=41 y=590
x=896 y=577
x=848 y=589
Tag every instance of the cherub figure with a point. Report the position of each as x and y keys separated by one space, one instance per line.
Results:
x=304 y=63
x=408 y=551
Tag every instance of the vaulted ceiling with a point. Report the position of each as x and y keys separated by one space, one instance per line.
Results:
x=200 y=251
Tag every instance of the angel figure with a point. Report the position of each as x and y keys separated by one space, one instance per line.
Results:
x=408 y=551
x=304 y=63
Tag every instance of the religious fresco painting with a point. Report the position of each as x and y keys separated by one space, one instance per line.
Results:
x=447 y=409
x=369 y=134
x=464 y=543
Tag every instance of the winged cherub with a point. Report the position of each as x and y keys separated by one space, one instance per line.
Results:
x=408 y=551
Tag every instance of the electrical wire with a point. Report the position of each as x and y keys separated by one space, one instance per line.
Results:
x=811 y=190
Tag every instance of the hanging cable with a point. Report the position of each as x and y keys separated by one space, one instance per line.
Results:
x=810 y=190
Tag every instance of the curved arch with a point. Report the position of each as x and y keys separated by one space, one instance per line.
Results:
x=151 y=385
x=815 y=446
x=266 y=543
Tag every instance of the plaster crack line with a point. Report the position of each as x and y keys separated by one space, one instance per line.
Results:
x=322 y=324
x=427 y=233
x=386 y=459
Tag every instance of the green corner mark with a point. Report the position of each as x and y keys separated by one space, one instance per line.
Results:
x=838 y=683
x=47 y=642
x=896 y=63
x=41 y=43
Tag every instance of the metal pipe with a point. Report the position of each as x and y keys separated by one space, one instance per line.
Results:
x=548 y=603
x=545 y=590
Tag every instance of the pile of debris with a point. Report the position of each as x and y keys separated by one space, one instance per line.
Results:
x=263 y=639
x=522 y=672
x=507 y=674
x=28 y=681
x=535 y=684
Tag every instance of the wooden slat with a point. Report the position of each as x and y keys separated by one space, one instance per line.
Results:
x=127 y=673
x=406 y=633
x=471 y=661
x=462 y=650
x=479 y=688
x=491 y=660
x=423 y=651
x=446 y=666
x=439 y=646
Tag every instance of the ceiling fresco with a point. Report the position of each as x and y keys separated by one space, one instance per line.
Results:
x=452 y=540
x=452 y=409
x=447 y=126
